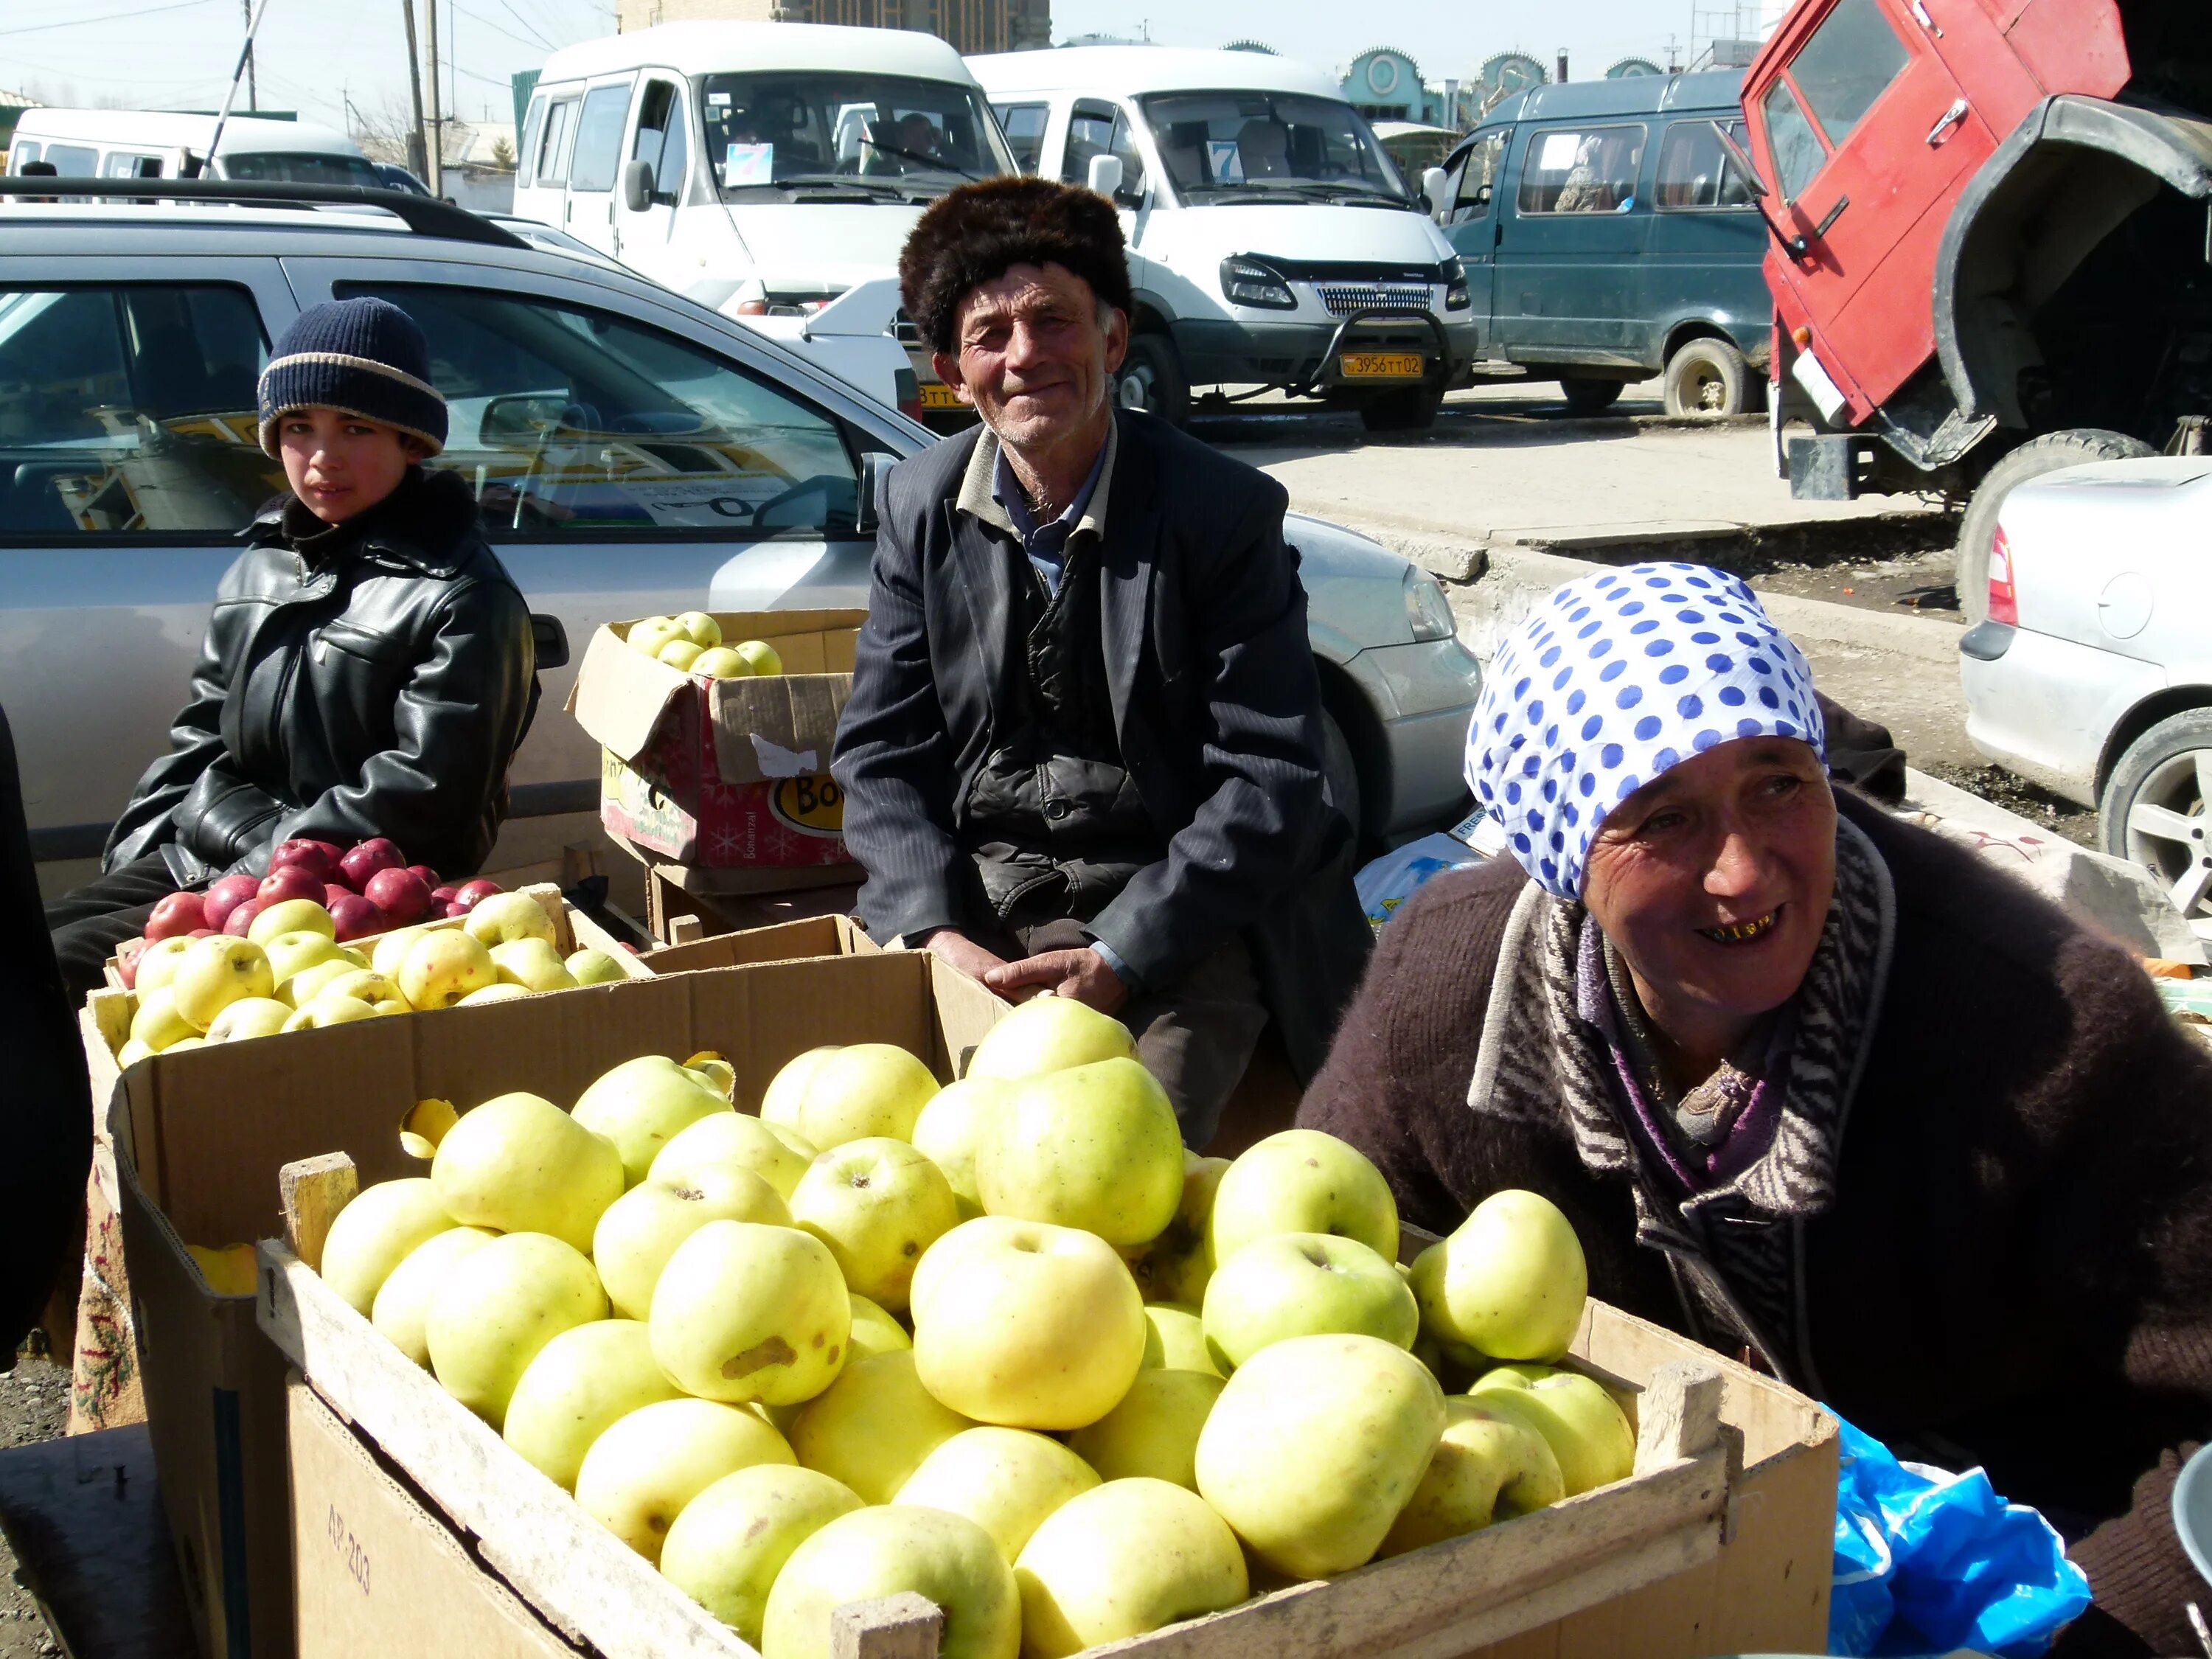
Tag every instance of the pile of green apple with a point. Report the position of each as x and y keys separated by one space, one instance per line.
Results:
x=1002 y=1343
x=288 y=973
x=692 y=644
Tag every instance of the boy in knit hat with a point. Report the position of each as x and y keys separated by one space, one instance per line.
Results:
x=367 y=668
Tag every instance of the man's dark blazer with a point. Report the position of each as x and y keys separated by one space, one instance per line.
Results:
x=1215 y=697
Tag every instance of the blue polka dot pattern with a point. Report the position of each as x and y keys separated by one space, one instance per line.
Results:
x=1518 y=761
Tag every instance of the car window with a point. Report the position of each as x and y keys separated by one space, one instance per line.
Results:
x=1796 y=147
x=1023 y=125
x=573 y=422
x=127 y=164
x=661 y=140
x=302 y=167
x=1582 y=170
x=26 y=151
x=1249 y=145
x=1470 y=194
x=74 y=161
x=598 y=138
x=1090 y=132
x=130 y=409
x=526 y=151
x=1848 y=64
x=1695 y=171
x=553 y=148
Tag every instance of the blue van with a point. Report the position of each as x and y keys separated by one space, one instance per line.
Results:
x=1607 y=237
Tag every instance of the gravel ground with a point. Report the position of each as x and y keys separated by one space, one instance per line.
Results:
x=1918 y=585
x=34 y=1407
x=2077 y=824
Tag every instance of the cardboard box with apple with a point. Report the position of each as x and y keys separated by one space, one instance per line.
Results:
x=723 y=773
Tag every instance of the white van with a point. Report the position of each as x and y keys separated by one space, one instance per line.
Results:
x=119 y=143
x=1271 y=243
x=770 y=171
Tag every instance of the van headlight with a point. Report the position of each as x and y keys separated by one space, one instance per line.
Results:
x=1455 y=277
x=1249 y=282
x=1428 y=613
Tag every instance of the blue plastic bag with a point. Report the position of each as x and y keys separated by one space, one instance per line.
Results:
x=1388 y=882
x=1926 y=1563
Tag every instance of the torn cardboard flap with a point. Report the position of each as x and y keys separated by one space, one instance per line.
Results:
x=761 y=727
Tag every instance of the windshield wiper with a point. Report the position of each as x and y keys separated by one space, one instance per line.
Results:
x=876 y=189
x=935 y=161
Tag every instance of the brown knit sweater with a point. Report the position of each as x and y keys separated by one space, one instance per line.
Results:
x=2017 y=1269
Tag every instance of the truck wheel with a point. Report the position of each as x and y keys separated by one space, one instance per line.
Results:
x=2052 y=452
x=1151 y=378
x=1339 y=775
x=1591 y=397
x=2157 y=809
x=1707 y=377
x=1414 y=409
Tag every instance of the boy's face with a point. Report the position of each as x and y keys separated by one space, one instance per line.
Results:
x=340 y=465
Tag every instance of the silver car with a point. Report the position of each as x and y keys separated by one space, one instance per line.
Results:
x=2093 y=675
x=635 y=452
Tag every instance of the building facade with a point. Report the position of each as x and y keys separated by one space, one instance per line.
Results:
x=970 y=25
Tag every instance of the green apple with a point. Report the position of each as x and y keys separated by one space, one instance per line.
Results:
x=592 y=966
x=1154 y=1430
x=291 y=916
x=650 y=634
x=330 y=1008
x=1175 y=1339
x=643 y=1468
x=643 y=1102
x=1509 y=1282
x=744 y=1312
x=949 y=1129
x=873 y=1426
x=442 y=967
x=1486 y=1467
x=1175 y=1267
x=533 y=964
x=1048 y=1034
x=506 y=917
x=580 y=1384
x=156 y=1022
x=391 y=949
x=1025 y=1324
x=1006 y=1480
x=944 y=1558
x=1304 y=1285
x=786 y=1090
x=878 y=1204
x=217 y=971
x=504 y=991
x=375 y=1232
x=303 y=948
x=402 y=1309
x=366 y=985
x=1585 y=1427
x=133 y=1051
x=520 y=1164
x=875 y=1331
x=680 y=654
x=1313 y=1447
x=158 y=962
x=302 y=987
x=733 y=1137
x=760 y=657
x=1096 y=1147
x=1303 y=1180
x=249 y=1017
x=868 y=1089
x=500 y=1305
x=730 y=1542
x=640 y=1230
x=719 y=662
x=1127 y=1558
x=702 y=630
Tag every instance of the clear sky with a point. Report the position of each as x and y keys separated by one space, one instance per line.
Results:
x=316 y=54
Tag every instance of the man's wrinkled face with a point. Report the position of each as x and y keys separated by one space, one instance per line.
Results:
x=340 y=465
x=1036 y=356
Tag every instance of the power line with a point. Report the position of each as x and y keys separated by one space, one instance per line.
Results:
x=535 y=33
x=478 y=17
x=111 y=17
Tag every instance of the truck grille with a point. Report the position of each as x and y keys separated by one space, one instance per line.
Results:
x=1342 y=299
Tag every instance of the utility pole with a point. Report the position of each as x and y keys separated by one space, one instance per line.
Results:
x=416 y=164
x=437 y=121
x=252 y=97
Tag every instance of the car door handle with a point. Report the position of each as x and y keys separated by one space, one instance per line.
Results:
x=1952 y=116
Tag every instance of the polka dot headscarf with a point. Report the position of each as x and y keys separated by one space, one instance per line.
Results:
x=1611 y=681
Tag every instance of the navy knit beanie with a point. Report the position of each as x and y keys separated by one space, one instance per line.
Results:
x=365 y=357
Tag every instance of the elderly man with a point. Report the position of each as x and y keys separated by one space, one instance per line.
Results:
x=1083 y=751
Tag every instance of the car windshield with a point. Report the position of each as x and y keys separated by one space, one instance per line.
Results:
x=864 y=136
x=1250 y=145
x=300 y=168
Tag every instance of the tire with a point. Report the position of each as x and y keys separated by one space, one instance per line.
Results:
x=1339 y=775
x=1151 y=378
x=1707 y=377
x=2053 y=452
x=1414 y=409
x=2155 y=811
x=1591 y=397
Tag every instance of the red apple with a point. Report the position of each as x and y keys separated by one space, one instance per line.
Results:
x=366 y=860
x=334 y=891
x=126 y=961
x=430 y=876
x=469 y=892
x=355 y=917
x=289 y=881
x=180 y=913
x=242 y=915
x=400 y=894
x=455 y=908
x=227 y=894
x=201 y=933
x=442 y=895
x=320 y=857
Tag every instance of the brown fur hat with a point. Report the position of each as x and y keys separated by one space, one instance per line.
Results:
x=975 y=234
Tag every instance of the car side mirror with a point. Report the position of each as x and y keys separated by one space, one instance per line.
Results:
x=1433 y=187
x=875 y=479
x=550 y=639
x=1105 y=175
x=1741 y=157
x=637 y=186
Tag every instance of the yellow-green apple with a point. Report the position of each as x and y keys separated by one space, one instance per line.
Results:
x=329 y=1009
x=1175 y=1340
x=760 y=657
x=875 y=1331
x=1096 y=1147
x=734 y=1137
x=290 y=953
x=1175 y=1267
x=1025 y=1324
x=391 y=950
x=501 y=1304
x=442 y=967
x=1006 y=1480
x=1154 y=1430
x=134 y=1050
x=641 y=1103
x=375 y=1232
x=1304 y=1285
x=1048 y=1034
x=504 y=918
x=680 y=654
x=847 y=1094
x=532 y=963
x=640 y=1230
x=719 y=662
x=702 y=630
x=1509 y=1282
x=249 y=1017
x=520 y=1164
x=303 y=986
x=592 y=966
x=878 y=1204
x=581 y=1384
x=217 y=971
x=183 y=1044
x=504 y=991
x=944 y=1558
x=370 y=987
x=1303 y=1180
x=402 y=1309
x=786 y=1090
x=157 y=963
x=291 y=916
x=650 y=634
x=1315 y=1446
x=950 y=1128
x=873 y=1426
x=157 y=1024
x=1486 y=1468
x=1129 y=1557
x=744 y=1311
x=730 y=1542
x=1585 y=1427
x=640 y=1472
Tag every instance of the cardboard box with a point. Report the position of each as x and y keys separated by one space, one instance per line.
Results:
x=786 y=941
x=724 y=772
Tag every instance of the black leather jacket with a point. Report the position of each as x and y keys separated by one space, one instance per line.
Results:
x=374 y=679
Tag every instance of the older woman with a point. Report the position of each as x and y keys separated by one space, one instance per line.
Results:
x=1814 y=1086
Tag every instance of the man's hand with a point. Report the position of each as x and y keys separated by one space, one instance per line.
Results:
x=951 y=945
x=1081 y=975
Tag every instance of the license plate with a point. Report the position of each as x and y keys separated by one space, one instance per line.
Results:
x=1380 y=365
x=935 y=394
